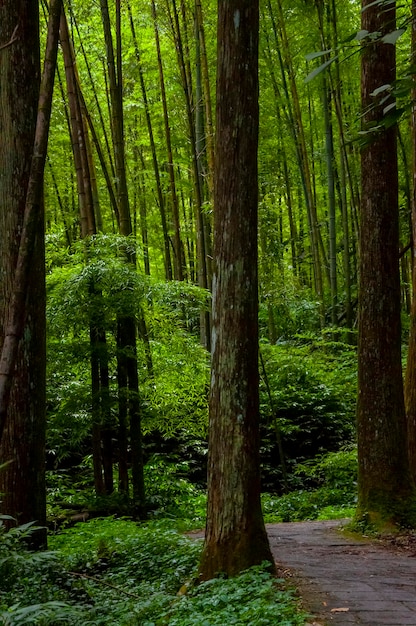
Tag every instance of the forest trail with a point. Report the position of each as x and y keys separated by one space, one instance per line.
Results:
x=344 y=580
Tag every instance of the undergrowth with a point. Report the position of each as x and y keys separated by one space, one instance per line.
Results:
x=115 y=571
x=118 y=571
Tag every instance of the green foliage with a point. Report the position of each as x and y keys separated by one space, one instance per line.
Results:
x=322 y=503
x=30 y=582
x=173 y=395
x=253 y=598
x=334 y=476
x=119 y=572
x=169 y=494
x=16 y=562
x=336 y=470
x=54 y=613
x=307 y=393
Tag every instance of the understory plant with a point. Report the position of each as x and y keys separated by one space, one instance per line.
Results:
x=115 y=571
x=330 y=490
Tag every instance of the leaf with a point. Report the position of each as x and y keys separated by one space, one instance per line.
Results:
x=380 y=90
x=319 y=69
x=352 y=36
x=391 y=119
x=340 y=610
x=393 y=36
x=361 y=35
x=316 y=55
x=389 y=107
x=377 y=3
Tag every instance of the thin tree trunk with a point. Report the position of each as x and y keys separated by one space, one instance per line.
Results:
x=209 y=126
x=304 y=158
x=330 y=162
x=78 y=134
x=126 y=324
x=177 y=263
x=204 y=279
x=171 y=170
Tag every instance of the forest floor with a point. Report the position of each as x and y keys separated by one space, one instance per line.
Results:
x=346 y=580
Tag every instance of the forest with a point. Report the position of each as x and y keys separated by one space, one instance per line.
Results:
x=207 y=321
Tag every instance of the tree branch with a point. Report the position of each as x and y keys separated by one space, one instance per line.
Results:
x=12 y=39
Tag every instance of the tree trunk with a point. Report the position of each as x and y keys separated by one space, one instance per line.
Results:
x=410 y=382
x=126 y=324
x=24 y=124
x=386 y=493
x=235 y=533
x=161 y=201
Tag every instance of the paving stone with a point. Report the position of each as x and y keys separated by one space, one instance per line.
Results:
x=377 y=585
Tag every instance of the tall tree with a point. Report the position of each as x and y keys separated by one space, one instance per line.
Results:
x=386 y=493
x=24 y=132
x=126 y=326
x=410 y=387
x=235 y=533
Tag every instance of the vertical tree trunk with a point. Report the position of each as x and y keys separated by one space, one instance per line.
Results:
x=24 y=124
x=177 y=247
x=410 y=381
x=304 y=165
x=209 y=127
x=204 y=278
x=235 y=533
x=181 y=269
x=126 y=325
x=386 y=493
x=330 y=167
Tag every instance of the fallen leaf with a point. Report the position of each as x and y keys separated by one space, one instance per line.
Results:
x=340 y=610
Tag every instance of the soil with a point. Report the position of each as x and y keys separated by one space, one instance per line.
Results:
x=344 y=580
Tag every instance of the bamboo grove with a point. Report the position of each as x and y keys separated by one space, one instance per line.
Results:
x=136 y=93
x=131 y=158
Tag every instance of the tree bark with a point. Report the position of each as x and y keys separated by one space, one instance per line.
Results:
x=386 y=493
x=235 y=533
x=410 y=384
x=24 y=123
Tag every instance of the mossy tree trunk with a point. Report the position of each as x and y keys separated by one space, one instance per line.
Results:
x=386 y=493
x=235 y=534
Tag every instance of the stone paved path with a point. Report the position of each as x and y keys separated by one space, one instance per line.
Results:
x=333 y=572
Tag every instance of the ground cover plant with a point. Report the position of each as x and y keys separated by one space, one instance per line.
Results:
x=118 y=571
x=115 y=571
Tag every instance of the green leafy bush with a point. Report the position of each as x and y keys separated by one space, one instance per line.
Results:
x=30 y=583
x=307 y=395
x=297 y=506
x=336 y=470
x=334 y=476
x=168 y=493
